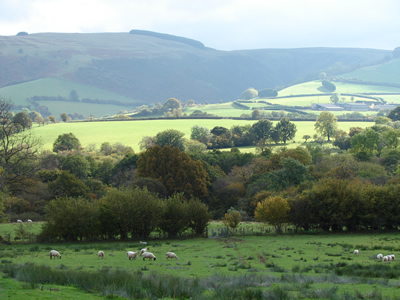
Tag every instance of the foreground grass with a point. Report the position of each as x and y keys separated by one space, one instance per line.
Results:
x=251 y=267
x=130 y=133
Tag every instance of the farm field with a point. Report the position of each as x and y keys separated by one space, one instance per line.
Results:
x=57 y=87
x=221 y=109
x=315 y=87
x=296 y=266
x=130 y=133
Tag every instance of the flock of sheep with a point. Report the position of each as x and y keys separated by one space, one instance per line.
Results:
x=20 y=221
x=379 y=257
x=130 y=254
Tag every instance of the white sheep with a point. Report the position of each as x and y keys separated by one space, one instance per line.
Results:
x=55 y=254
x=143 y=243
x=148 y=255
x=356 y=252
x=144 y=250
x=19 y=221
x=29 y=220
x=171 y=255
x=100 y=254
x=391 y=256
x=379 y=256
x=132 y=255
x=385 y=258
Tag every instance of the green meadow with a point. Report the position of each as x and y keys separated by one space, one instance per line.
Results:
x=276 y=266
x=315 y=87
x=59 y=87
x=130 y=133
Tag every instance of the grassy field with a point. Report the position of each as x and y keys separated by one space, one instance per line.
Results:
x=130 y=133
x=301 y=266
x=315 y=87
x=58 y=87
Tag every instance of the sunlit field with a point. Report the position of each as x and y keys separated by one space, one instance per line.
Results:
x=130 y=133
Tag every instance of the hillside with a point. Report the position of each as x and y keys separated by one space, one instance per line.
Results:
x=144 y=67
x=386 y=73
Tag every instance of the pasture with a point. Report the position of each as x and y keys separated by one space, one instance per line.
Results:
x=271 y=266
x=315 y=87
x=130 y=133
x=58 y=87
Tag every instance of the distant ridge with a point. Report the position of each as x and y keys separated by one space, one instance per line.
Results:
x=168 y=37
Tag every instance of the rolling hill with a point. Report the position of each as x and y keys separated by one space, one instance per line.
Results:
x=119 y=71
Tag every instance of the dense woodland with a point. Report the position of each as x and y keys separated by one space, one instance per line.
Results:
x=336 y=181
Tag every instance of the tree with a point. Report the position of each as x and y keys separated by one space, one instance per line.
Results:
x=18 y=152
x=334 y=98
x=175 y=169
x=256 y=114
x=286 y=130
x=394 y=114
x=198 y=216
x=77 y=165
x=250 y=93
x=23 y=119
x=172 y=138
x=171 y=104
x=232 y=218
x=306 y=137
x=267 y=93
x=64 y=117
x=147 y=142
x=326 y=124
x=368 y=143
x=52 y=119
x=39 y=120
x=135 y=211
x=68 y=185
x=71 y=219
x=201 y=134
x=262 y=129
x=274 y=211
x=66 y=141
x=328 y=85
x=174 y=219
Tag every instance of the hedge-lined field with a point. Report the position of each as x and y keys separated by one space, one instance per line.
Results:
x=275 y=267
x=130 y=133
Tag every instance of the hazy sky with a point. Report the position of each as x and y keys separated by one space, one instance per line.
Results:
x=220 y=24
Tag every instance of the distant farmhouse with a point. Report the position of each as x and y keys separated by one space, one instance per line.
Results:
x=351 y=106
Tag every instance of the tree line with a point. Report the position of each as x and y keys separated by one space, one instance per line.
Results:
x=306 y=186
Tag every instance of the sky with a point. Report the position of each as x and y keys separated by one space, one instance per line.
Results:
x=219 y=24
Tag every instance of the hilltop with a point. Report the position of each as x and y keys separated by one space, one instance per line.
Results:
x=115 y=71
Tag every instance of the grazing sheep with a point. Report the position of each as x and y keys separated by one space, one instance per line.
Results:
x=144 y=250
x=379 y=256
x=391 y=256
x=385 y=258
x=356 y=252
x=29 y=220
x=171 y=255
x=55 y=254
x=100 y=254
x=148 y=255
x=143 y=243
x=132 y=255
x=19 y=221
